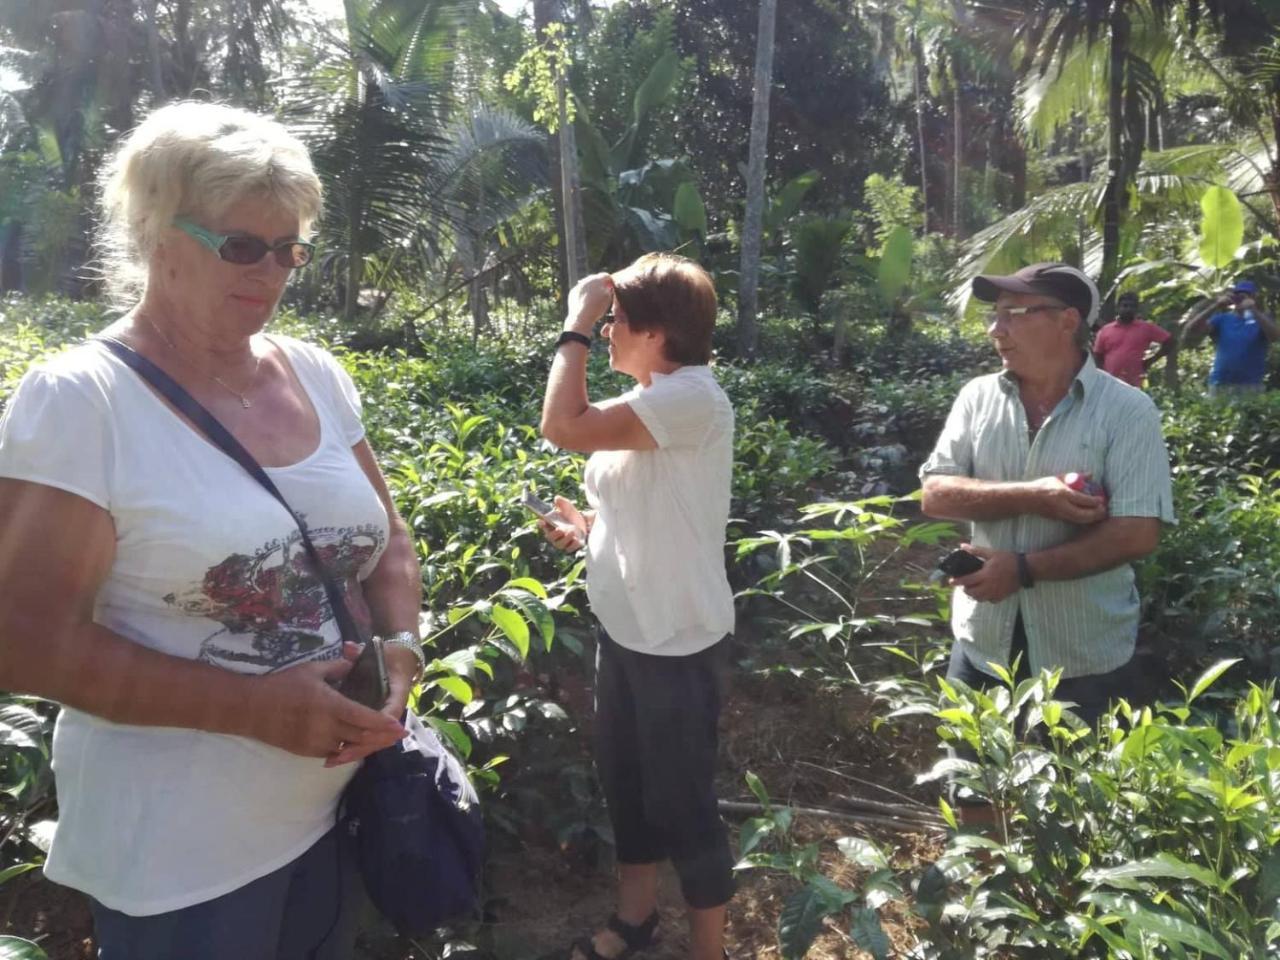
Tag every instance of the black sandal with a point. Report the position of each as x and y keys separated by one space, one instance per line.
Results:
x=636 y=937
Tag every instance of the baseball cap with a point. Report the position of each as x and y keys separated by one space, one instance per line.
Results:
x=1245 y=286
x=1058 y=280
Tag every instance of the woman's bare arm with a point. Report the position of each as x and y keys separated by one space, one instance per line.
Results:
x=56 y=550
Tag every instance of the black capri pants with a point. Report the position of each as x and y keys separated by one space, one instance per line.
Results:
x=655 y=749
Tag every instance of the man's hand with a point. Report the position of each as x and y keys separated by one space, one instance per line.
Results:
x=588 y=301
x=1057 y=501
x=997 y=579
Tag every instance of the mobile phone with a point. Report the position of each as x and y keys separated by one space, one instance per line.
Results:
x=367 y=683
x=960 y=563
x=532 y=503
x=545 y=511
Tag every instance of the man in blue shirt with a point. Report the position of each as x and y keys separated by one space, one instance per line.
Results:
x=1241 y=333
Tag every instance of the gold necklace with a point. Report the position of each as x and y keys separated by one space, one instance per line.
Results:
x=244 y=401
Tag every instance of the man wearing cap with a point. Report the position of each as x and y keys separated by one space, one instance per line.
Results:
x=1241 y=333
x=1120 y=348
x=1056 y=588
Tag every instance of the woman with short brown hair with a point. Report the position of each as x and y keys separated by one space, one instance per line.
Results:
x=658 y=485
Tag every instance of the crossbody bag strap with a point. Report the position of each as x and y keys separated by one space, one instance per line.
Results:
x=223 y=439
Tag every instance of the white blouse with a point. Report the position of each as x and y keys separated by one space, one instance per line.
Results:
x=655 y=570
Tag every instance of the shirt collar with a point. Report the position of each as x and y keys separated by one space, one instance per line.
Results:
x=1085 y=380
x=686 y=368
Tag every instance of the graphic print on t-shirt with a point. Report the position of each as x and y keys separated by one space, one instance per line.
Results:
x=271 y=605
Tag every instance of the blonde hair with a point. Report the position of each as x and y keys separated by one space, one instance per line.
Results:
x=194 y=159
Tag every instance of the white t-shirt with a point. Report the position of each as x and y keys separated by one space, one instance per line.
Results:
x=655 y=568
x=208 y=566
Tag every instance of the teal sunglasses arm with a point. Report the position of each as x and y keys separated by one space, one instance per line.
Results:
x=213 y=241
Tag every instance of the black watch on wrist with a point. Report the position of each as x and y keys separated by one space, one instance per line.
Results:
x=1024 y=573
x=572 y=336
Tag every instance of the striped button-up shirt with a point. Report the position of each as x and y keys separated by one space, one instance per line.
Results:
x=1103 y=427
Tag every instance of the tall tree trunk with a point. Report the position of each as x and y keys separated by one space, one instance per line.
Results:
x=544 y=14
x=1114 y=197
x=153 y=53
x=757 y=153
x=575 y=241
x=917 y=80
x=957 y=165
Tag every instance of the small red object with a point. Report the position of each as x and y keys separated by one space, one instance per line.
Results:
x=1081 y=482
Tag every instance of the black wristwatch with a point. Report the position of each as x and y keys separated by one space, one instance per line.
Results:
x=572 y=336
x=1024 y=573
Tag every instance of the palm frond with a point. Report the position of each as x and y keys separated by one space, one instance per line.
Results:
x=1035 y=231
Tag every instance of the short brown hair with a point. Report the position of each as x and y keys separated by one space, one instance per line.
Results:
x=663 y=291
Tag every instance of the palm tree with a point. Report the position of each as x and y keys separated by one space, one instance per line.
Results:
x=1159 y=53
x=1052 y=30
x=379 y=117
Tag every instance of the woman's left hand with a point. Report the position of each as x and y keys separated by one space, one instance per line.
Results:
x=402 y=670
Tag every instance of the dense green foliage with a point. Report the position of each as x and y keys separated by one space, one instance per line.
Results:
x=1153 y=836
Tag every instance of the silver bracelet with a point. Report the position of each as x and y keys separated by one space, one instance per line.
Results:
x=409 y=640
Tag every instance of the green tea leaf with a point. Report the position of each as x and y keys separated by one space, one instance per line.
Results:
x=753 y=831
x=1207 y=679
x=513 y=626
x=528 y=583
x=867 y=933
x=1162 y=865
x=948 y=814
x=456 y=687
x=1159 y=924
x=803 y=913
x=862 y=852
x=453 y=732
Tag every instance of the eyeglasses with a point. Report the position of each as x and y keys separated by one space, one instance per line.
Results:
x=242 y=249
x=1009 y=314
x=610 y=317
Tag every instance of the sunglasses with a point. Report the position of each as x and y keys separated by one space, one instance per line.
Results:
x=243 y=250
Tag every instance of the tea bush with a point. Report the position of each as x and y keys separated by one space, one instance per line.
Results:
x=1154 y=836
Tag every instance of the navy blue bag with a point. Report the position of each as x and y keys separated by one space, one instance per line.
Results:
x=410 y=809
x=419 y=840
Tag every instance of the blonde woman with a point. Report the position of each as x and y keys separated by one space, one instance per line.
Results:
x=163 y=597
x=657 y=484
